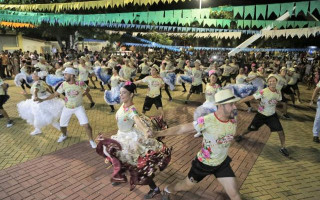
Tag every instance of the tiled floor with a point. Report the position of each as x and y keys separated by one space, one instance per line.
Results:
x=37 y=167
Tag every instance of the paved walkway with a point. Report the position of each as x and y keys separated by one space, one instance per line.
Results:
x=37 y=167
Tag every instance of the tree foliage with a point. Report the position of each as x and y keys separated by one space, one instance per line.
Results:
x=159 y=38
x=221 y=15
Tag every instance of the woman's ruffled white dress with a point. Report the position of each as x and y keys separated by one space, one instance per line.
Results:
x=132 y=140
x=112 y=97
x=40 y=114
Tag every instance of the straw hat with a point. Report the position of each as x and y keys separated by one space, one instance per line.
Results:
x=69 y=70
x=283 y=68
x=67 y=64
x=291 y=69
x=272 y=75
x=225 y=96
x=156 y=67
x=198 y=61
x=83 y=58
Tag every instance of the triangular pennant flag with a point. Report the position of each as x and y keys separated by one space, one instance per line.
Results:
x=261 y=10
x=169 y=16
x=312 y=24
x=186 y=13
x=249 y=10
x=302 y=6
x=287 y=7
x=281 y=24
x=196 y=13
x=300 y=24
x=220 y=22
x=314 y=5
x=246 y=23
x=290 y=23
x=177 y=14
x=226 y=23
x=152 y=17
x=258 y=23
x=238 y=10
x=273 y=8
x=240 y=24
x=205 y=13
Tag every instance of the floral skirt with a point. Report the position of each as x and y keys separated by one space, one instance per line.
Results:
x=129 y=152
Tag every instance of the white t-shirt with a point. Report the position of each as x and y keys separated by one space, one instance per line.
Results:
x=281 y=82
x=217 y=137
x=180 y=63
x=294 y=79
x=114 y=81
x=235 y=68
x=154 y=85
x=144 y=68
x=83 y=72
x=126 y=72
x=268 y=101
x=227 y=69
x=196 y=77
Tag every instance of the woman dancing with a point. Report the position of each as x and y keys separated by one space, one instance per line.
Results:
x=112 y=96
x=24 y=78
x=169 y=78
x=131 y=149
x=187 y=77
x=40 y=114
x=56 y=80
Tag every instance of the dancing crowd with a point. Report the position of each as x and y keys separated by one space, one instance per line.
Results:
x=138 y=147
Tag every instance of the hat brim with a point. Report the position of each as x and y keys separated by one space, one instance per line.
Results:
x=229 y=101
x=272 y=76
x=68 y=73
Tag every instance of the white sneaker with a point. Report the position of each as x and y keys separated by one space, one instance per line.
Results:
x=249 y=109
x=62 y=138
x=93 y=144
x=35 y=132
x=9 y=124
x=197 y=134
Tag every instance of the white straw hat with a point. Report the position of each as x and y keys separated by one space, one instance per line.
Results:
x=156 y=67
x=291 y=69
x=272 y=75
x=225 y=96
x=69 y=70
x=198 y=61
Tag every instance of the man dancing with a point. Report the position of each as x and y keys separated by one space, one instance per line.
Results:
x=269 y=97
x=213 y=157
x=73 y=104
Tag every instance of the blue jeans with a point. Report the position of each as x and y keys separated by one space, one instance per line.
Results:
x=316 y=124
